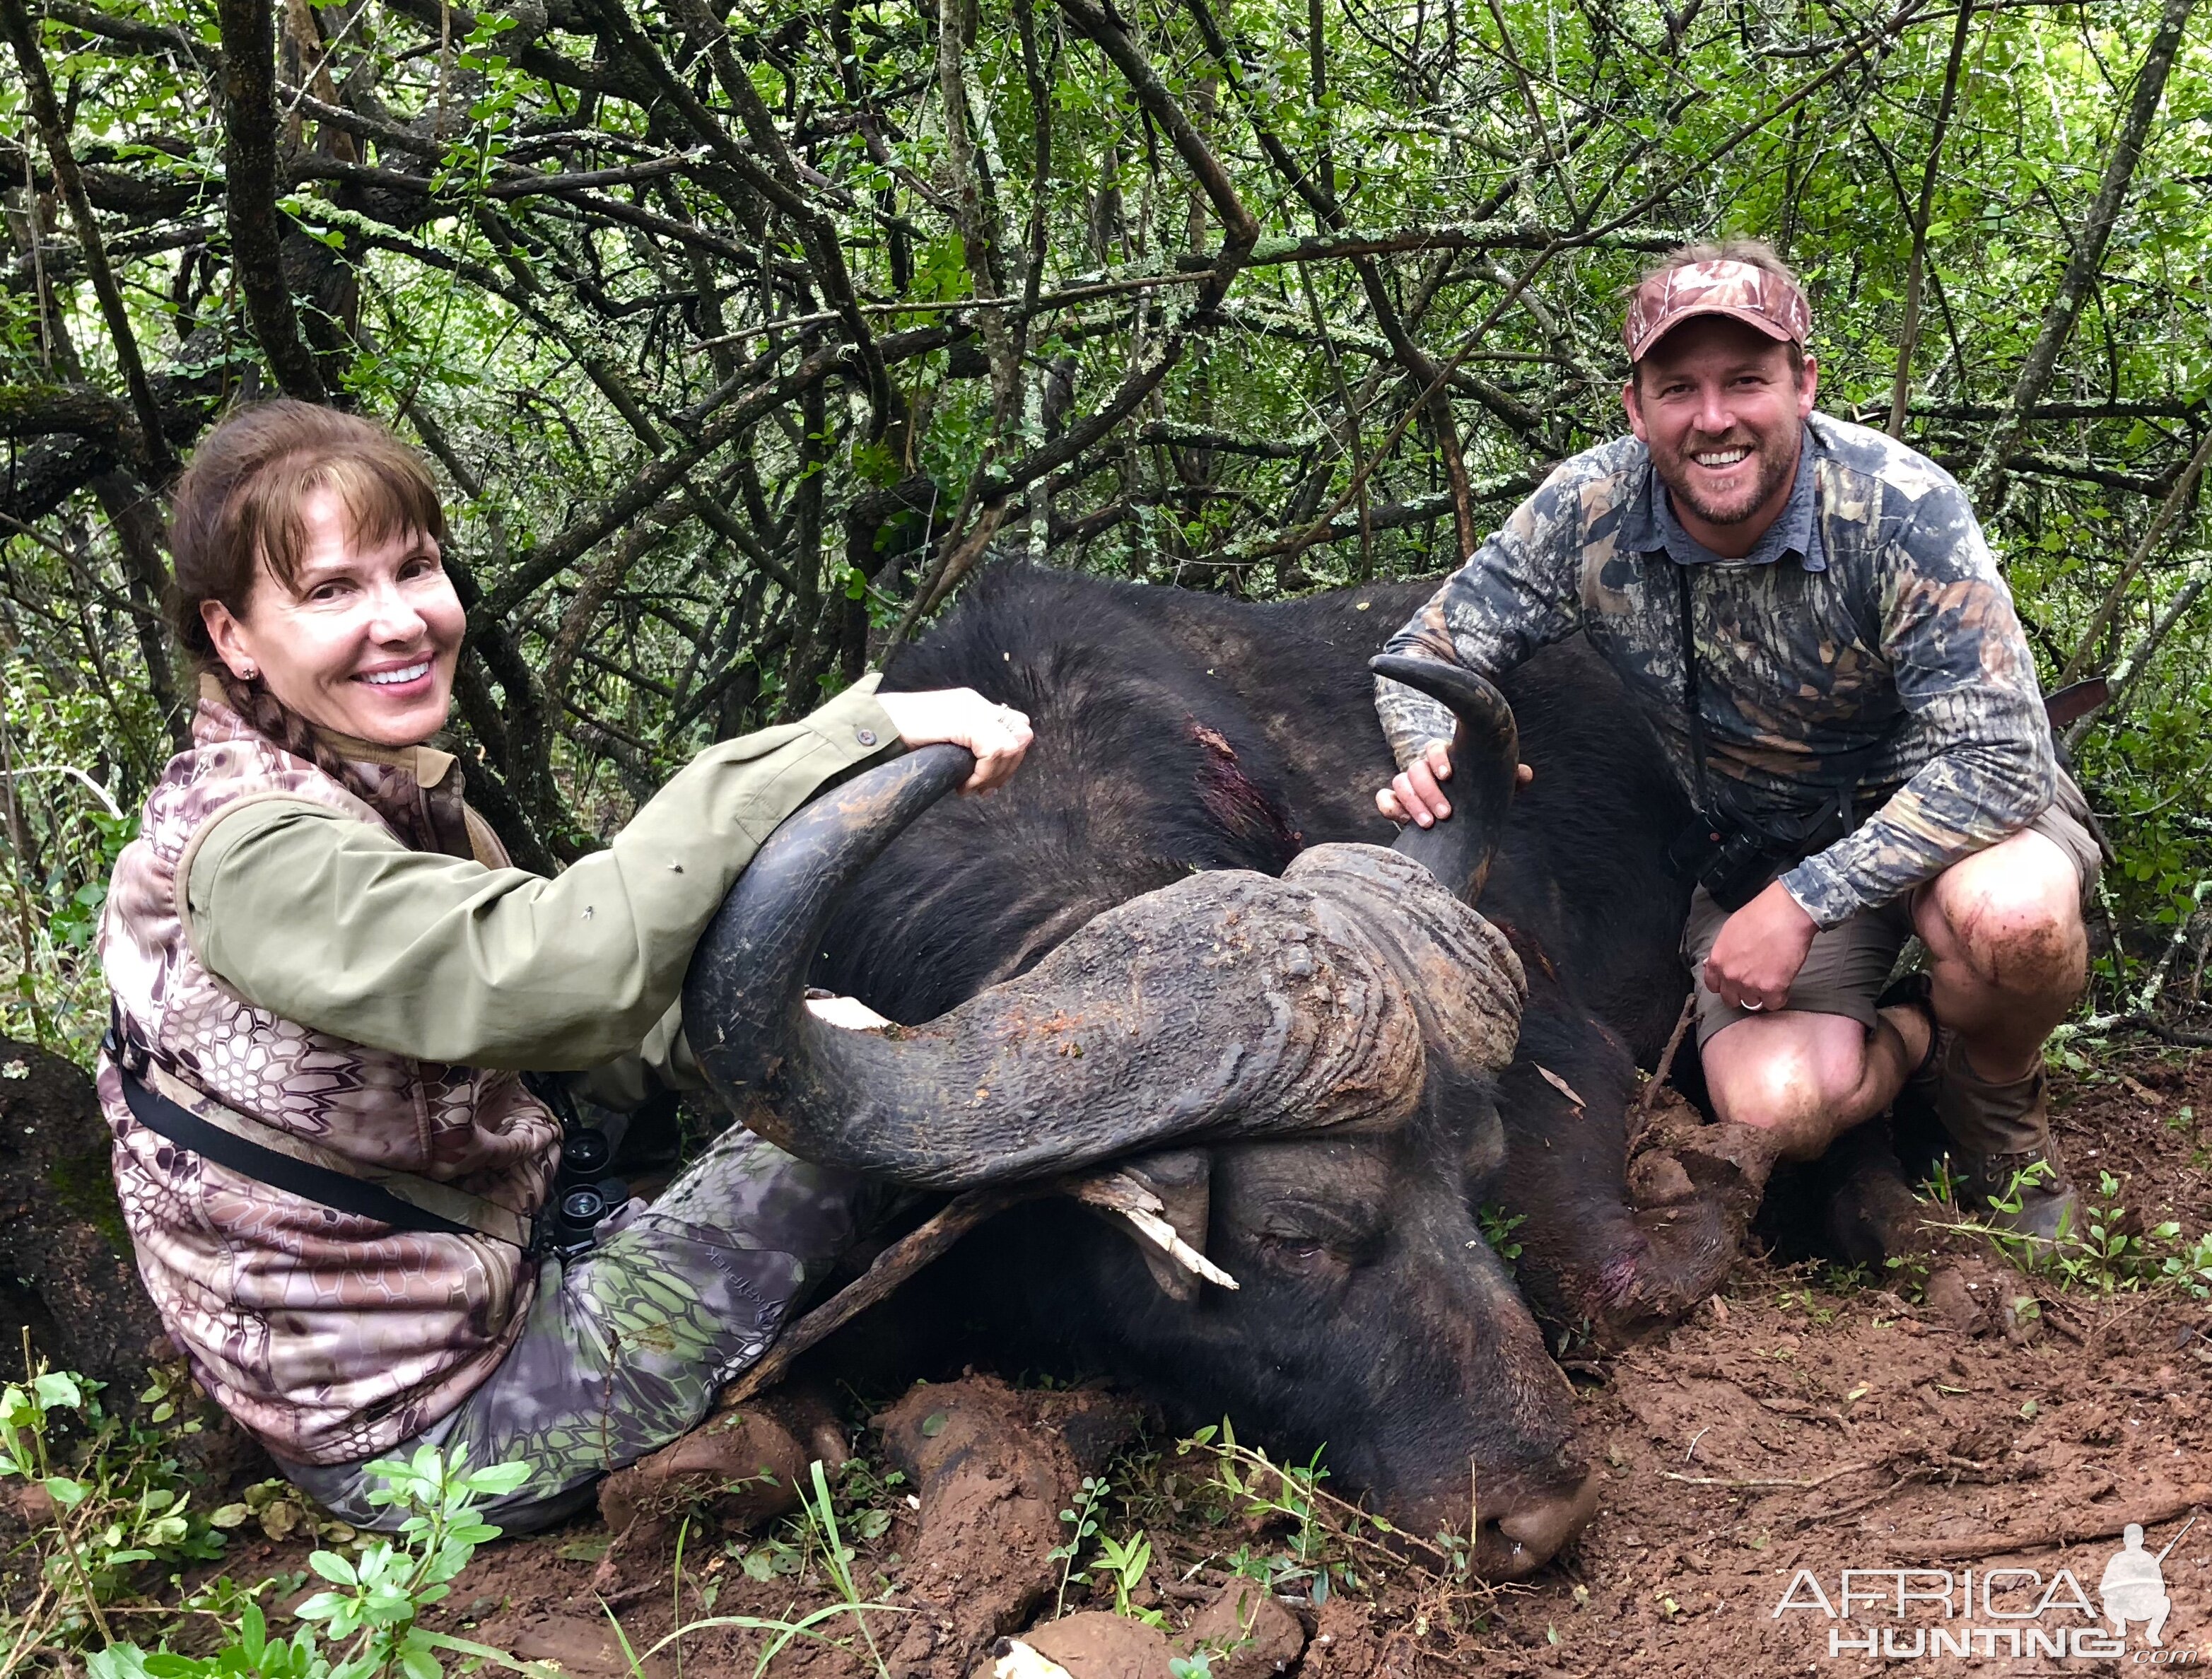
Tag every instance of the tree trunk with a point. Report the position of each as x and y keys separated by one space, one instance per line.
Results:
x=249 y=113
x=66 y=1269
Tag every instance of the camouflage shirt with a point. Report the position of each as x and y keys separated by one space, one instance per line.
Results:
x=1868 y=629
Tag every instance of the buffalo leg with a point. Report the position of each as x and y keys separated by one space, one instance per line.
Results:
x=1619 y=1248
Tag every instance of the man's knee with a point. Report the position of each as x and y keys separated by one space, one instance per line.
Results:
x=2012 y=918
x=1787 y=1083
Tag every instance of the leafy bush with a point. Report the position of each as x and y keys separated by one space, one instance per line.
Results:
x=369 y=1621
x=99 y=1506
x=104 y=1501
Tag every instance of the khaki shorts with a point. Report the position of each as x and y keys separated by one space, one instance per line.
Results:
x=1851 y=962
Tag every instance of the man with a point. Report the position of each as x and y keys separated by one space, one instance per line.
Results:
x=1808 y=614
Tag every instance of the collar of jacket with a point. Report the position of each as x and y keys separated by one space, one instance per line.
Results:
x=427 y=764
x=417 y=790
x=1650 y=526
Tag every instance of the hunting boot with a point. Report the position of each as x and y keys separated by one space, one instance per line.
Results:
x=1997 y=1134
x=1872 y=1214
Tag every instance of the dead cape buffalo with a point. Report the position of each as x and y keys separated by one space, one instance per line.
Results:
x=1174 y=939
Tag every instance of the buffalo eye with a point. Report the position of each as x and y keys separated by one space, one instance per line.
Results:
x=1296 y=1255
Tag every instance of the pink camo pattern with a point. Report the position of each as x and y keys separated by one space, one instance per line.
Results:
x=1737 y=288
x=330 y=1337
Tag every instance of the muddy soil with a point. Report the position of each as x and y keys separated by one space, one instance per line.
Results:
x=1951 y=1418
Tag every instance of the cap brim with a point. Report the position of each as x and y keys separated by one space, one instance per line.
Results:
x=1771 y=328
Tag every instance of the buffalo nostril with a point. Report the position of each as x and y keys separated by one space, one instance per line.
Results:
x=1542 y=1529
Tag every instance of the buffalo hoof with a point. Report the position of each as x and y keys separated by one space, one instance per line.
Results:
x=993 y=1468
x=1681 y=1159
x=1694 y=1188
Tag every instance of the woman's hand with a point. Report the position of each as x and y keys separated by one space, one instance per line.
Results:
x=997 y=734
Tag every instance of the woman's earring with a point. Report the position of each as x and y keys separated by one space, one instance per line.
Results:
x=249 y=673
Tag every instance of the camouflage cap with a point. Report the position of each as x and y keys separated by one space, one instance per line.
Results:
x=1740 y=290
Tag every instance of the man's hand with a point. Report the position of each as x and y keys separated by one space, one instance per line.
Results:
x=1413 y=795
x=1761 y=947
x=997 y=734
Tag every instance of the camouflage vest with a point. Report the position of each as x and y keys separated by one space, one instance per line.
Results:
x=330 y=1336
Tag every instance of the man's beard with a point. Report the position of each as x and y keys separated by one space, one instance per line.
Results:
x=1775 y=467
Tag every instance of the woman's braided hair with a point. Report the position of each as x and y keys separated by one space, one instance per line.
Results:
x=237 y=514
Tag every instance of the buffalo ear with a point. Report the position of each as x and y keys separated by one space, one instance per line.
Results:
x=1472 y=1106
x=1177 y=1183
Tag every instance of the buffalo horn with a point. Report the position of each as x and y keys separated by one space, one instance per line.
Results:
x=1485 y=753
x=1226 y=1003
x=745 y=997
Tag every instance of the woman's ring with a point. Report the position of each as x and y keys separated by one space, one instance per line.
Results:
x=1751 y=1004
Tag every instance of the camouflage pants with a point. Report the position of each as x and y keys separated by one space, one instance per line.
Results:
x=625 y=1347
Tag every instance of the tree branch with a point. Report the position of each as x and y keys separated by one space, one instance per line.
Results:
x=2153 y=535
x=1987 y=481
x=41 y=89
x=1909 y=334
x=251 y=176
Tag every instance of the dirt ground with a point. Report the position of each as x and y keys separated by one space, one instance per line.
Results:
x=1960 y=1418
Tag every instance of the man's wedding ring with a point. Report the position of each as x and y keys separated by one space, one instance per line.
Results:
x=1751 y=1004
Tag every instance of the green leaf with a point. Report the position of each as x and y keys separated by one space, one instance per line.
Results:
x=332 y=1566
x=322 y=1606
x=498 y=1479
x=252 y=1634
x=118 y=1661
x=56 y=1388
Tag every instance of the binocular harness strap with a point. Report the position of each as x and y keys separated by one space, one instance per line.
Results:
x=270 y=1155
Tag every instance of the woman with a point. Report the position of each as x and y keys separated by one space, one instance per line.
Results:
x=318 y=951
